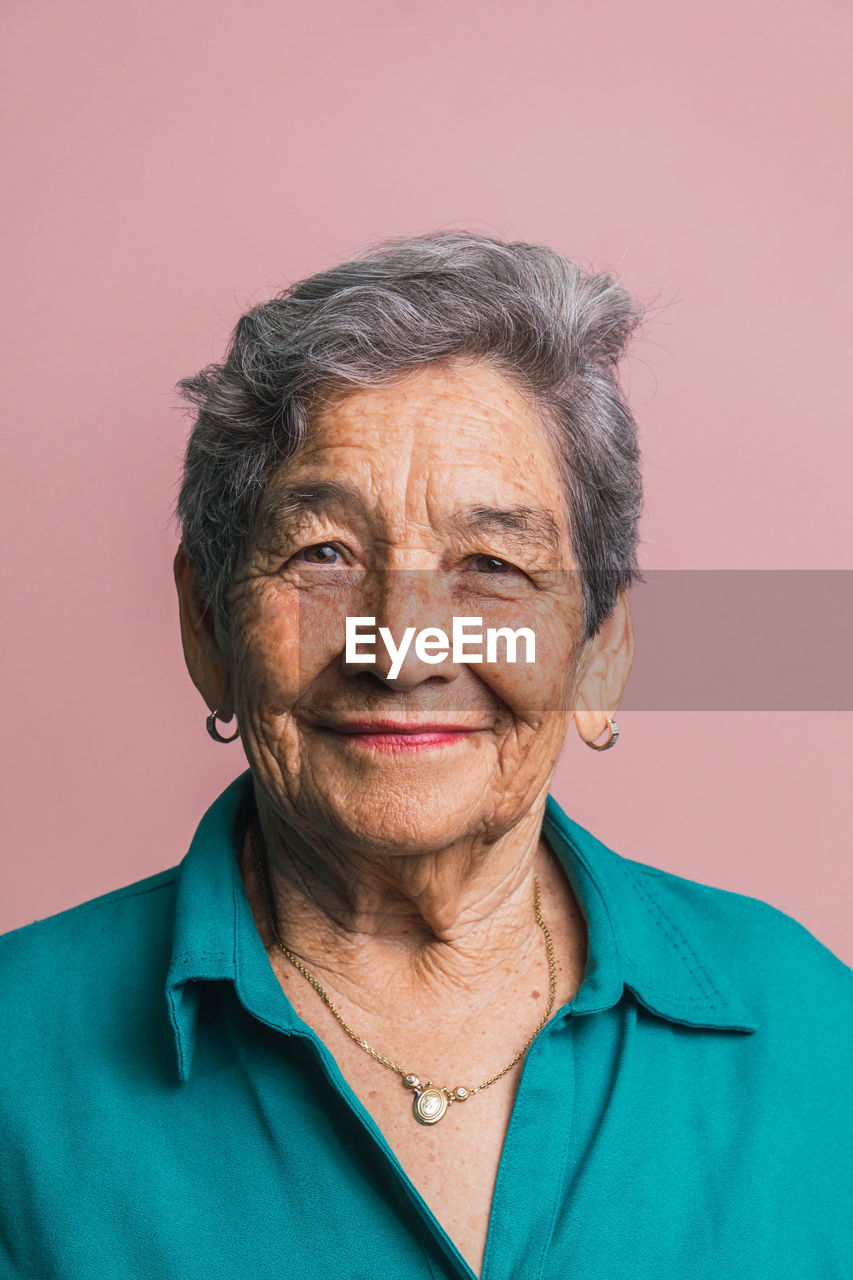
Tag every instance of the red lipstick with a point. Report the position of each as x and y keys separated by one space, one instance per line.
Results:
x=393 y=735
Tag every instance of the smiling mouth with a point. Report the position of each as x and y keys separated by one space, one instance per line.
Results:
x=385 y=735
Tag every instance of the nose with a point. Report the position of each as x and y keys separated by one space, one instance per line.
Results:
x=405 y=603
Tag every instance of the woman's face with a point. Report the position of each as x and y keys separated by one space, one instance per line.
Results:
x=434 y=498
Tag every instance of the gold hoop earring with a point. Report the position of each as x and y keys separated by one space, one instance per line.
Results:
x=214 y=732
x=605 y=746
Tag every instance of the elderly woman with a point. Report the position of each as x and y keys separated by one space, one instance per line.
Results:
x=395 y=1014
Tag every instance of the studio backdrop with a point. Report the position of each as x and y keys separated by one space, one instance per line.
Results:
x=168 y=165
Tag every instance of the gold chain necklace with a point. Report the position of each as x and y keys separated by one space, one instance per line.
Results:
x=430 y=1101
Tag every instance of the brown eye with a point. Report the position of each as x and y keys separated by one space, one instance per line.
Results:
x=492 y=564
x=322 y=553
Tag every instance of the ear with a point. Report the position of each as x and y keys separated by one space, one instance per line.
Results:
x=203 y=654
x=603 y=671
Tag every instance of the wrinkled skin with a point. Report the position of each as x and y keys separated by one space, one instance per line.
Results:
x=430 y=851
x=402 y=874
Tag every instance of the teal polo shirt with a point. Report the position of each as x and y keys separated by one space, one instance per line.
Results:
x=164 y=1113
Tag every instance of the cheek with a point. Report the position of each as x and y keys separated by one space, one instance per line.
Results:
x=321 y=614
x=266 y=655
x=536 y=691
x=286 y=639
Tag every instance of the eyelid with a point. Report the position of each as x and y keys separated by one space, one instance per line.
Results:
x=311 y=546
x=531 y=574
x=489 y=555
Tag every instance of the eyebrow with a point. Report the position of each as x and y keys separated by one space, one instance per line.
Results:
x=531 y=524
x=297 y=500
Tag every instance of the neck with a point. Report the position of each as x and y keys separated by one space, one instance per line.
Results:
x=409 y=931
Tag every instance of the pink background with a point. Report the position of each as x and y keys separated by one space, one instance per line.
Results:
x=169 y=164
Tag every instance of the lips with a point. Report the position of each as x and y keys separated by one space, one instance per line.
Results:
x=390 y=735
x=395 y=726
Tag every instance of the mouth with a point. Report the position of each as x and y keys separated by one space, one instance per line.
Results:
x=388 y=735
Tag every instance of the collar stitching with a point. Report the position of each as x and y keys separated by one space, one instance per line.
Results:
x=652 y=990
x=204 y=954
x=711 y=993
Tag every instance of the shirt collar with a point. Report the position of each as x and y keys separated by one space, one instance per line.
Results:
x=635 y=938
x=649 y=931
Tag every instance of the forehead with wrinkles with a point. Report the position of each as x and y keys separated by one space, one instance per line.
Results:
x=460 y=448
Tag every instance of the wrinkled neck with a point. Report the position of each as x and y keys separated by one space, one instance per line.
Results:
x=400 y=930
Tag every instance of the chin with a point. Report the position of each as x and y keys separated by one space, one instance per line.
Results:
x=407 y=819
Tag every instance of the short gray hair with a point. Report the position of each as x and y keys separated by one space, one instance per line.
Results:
x=554 y=329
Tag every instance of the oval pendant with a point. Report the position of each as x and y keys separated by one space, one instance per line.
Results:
x=430 y=1105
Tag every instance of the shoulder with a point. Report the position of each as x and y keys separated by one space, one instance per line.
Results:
x=776 y=963
x=84 y=1027
x=772 y=961
x=85 y=918
x=65 y=955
